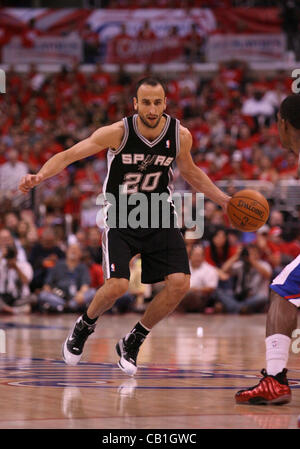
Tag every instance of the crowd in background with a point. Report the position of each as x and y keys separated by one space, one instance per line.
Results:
x=231 y=115
x=188 y=46
x=47 y=264
x=158 y=3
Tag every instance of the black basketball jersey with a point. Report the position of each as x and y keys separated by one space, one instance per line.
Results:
x=140 y=172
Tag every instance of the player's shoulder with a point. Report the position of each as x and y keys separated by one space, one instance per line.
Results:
x=110 y=135
x=118 y=127
x=185 y=136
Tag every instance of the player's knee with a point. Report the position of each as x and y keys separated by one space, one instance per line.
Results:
x=117 y=287
x=179 y=284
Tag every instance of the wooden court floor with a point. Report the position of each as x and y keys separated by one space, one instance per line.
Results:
x=184 y=381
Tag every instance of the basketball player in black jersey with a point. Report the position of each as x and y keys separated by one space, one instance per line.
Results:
x=141 y=151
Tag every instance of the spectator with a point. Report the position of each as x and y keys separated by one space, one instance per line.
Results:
x=31 y=34
x=11 y=223
x=218 y=157
x=271 y=147
x=72 y=206
x=86 y=179
x=94 y=245
x=232 y=73
x=246 y=141
x=123 y=78
x=193 y=46
x=67 y=285
x=6 y=240
x=257 y=107
x=238 y=167
x=90 y=44
x=276 y=218
x=15 y=277
x=250 y=276
x=31 y=239
x=209 y=209
x=266 y=172
x=101 y=77
x=216 y=126
x=22 y=232
x=146 y=32
x=289 y=13
x=288 y=249
x=44 y=256
x=95 y=269
x=219 y=250
x=276 y=95
x=204 y=281
x=291 y=170
x=11 y=173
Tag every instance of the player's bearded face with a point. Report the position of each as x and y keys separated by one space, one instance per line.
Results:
x=150 y=105
x=150 y=120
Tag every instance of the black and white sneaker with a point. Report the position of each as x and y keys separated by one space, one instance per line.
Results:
x=73 y=345
x=128 y=349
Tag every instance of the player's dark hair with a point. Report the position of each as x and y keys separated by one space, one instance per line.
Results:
x=218 y=258
x=290 y=110
x=150 y=81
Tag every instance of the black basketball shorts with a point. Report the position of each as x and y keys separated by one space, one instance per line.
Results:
x=162 y=253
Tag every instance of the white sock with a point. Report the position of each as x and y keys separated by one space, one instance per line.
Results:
x=277 y=353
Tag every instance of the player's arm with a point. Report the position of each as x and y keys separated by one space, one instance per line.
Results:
x=106 y=137
x=194 y=175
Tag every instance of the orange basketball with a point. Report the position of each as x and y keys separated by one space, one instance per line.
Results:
x=248 y=210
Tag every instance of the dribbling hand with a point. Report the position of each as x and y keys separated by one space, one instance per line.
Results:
x=29 y=181
x=224 y=204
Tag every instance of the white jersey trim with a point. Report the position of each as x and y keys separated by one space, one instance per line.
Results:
x=177 y=136
x=124 y=140
x=105 y=250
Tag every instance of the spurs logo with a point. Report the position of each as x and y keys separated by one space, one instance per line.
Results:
x=146 y=162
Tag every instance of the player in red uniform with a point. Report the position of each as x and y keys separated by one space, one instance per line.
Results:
x=273 y=388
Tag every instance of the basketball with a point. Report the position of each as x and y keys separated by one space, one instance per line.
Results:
x=248 y=210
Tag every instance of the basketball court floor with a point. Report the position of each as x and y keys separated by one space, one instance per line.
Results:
x=185 y=380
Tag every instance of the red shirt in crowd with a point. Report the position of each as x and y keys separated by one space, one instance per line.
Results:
x=96 y=275
x=208 y=256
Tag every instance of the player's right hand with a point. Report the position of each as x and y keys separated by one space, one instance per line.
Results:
x=29 y=181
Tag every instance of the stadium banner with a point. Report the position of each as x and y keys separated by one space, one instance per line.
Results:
x=249 y=47
x=108 y=22
x=249 y=20
x=130 y=50
x=46 y=49
x=120 y=48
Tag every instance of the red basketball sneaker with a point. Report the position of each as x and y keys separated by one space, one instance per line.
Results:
x=269 y=390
